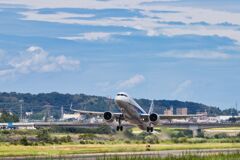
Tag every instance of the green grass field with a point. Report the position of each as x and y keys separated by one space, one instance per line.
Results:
x=228 y=128
x=234 y=156
x=50 y=150
x=46 y=143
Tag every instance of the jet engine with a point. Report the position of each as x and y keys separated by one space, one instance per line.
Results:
x=154 y=118
x=108 y=117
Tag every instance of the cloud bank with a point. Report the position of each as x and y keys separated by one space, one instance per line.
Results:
x=156 y=18
x=204 y=55
x=180 y=89
x=131 y=82
x=95 y=36
x=35 y=59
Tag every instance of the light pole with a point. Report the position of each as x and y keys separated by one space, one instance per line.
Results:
x=21 y=110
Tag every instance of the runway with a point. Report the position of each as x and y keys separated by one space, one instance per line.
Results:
x=165 y=153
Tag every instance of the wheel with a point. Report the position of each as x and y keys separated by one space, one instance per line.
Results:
x=148 y=129
x=151 y=128
x=118 y=128
x=121 y=128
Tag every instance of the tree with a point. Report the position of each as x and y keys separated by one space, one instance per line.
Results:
x=7 y=117
x=24 y=141
x=44 y=136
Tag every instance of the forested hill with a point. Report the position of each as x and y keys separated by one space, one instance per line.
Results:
x=37 y=103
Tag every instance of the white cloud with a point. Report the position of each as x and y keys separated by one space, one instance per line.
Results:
x=94 y=36
x=131 y=82
x=35 y=59
x=149 y=22
x=6 y=72
x=56 y=16
x=204 y=31
x=206 y=55
x=124 y=84
x=91 y=4
x=180 y=89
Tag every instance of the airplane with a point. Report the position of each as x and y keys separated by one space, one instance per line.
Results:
x=133 y=113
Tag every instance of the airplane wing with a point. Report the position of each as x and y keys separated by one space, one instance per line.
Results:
x=176 y=116
x=95 y=113
x=171 y=116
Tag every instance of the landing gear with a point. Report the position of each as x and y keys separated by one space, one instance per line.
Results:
x=149 y=129
x=120 y=127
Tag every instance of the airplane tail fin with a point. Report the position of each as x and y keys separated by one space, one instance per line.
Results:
x=151 y=108
x=71 y=107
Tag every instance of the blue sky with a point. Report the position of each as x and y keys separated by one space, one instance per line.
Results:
x=161 y=49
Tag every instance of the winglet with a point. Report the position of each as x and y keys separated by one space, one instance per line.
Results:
x=151 y=107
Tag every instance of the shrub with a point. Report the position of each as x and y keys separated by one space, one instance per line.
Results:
x=6 y=132
x=152 y=139
x=82 y=142
x=56 y=140
x=127 y=141
x=220 y=135
x=99 y=130
x=66 y=139
x=44 y=136
x=128 y=133
x=196 y=140
x=238 y=135
x=87 y=136
x=100 y=142
x=181 y=133
x=24 y=141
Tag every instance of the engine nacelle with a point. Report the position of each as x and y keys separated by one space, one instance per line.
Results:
x=154 y=118
x=108 y=117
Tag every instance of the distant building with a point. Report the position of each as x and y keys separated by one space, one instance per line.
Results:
x=168 y=112
x=202 y=113
x=75 y=116
x=48 y=116
x=224 y=118
x=182 y=111
x=28 y=113
x=202 y=116
x=95 y=120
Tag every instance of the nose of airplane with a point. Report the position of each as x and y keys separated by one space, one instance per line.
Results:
x=120 y=99
x=117 y=99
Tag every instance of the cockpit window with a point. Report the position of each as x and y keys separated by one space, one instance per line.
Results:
x=122 y=95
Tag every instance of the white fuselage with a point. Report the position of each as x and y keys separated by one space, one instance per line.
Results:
x=131 y=110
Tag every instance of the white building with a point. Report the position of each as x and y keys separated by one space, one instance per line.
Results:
x=28 y=113
x=76 y=116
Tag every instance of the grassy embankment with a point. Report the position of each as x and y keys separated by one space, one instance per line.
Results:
x=228 y=128
x=49 y=143
x=234 y=156
x=50 y=150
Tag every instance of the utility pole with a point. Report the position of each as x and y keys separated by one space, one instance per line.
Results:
x=21 y=110
x=62 y=112
x=236 y=107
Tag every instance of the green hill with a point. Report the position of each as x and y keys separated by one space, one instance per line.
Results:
x=36 y=103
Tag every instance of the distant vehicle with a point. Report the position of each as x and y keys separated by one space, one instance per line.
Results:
x=133 y=113
x=10 y=126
